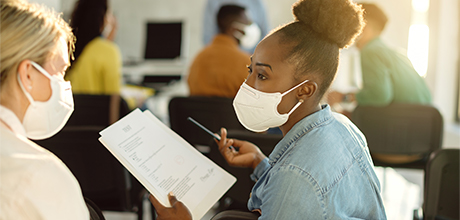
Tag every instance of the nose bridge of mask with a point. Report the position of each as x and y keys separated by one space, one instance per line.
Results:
x=256 y=93
x=249 y=89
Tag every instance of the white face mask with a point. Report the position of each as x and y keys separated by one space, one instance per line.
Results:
x=258 y=111
x=44 y=119
x=251 y=36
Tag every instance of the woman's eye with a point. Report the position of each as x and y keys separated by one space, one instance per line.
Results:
x=261 y=76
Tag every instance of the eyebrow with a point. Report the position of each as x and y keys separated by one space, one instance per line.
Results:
x=264 y=64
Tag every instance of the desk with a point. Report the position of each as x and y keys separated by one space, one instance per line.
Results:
x=153 y=73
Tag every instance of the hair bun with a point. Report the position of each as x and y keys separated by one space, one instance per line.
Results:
x=340 y=21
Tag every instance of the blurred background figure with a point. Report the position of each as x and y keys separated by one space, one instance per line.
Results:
x=256 y=11
x=220 y=68
x=96 y=69
x=388 y=76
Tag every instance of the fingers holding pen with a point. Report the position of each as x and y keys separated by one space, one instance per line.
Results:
x=225 y=144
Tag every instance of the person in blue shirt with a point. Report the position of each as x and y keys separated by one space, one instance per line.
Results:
x=322 y=168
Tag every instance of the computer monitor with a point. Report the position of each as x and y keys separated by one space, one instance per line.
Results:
x=164 y=41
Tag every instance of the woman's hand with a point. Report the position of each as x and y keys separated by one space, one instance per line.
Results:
x=248 y=155
x=177 y=211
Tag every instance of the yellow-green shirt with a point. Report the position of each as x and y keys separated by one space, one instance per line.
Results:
x=97 y=70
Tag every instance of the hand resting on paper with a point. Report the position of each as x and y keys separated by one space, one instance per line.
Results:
x=248 y=155
x=177 y=211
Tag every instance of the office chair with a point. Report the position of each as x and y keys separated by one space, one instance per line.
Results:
x=212 y=112
x=240 y=191
x=236 y=215
x=400 y=130
x=94 y=110
x=441 y=194
x=94 y=212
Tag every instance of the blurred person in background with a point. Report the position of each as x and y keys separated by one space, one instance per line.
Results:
x=387 y=75
x=256 y=12
x=220 y=68
x=96 y=69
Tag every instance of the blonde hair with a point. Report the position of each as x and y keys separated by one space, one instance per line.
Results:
x=29 y=32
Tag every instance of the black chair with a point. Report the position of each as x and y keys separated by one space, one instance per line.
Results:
x=94 y=110
x=400 y=131
x=212 y=112
x=441 y=194
x=236 y=215
x=238 y=195
x=94 y=212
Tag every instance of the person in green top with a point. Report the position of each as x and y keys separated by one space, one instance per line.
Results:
x=388 y=76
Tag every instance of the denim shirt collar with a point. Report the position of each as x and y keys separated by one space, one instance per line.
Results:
x=299 y=129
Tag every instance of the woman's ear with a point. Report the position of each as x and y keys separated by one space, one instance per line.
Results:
x=25 y=74
x=307 y=90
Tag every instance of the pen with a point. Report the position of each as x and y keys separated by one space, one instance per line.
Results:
x=207 y=130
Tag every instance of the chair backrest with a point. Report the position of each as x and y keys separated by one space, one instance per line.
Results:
x=101 y=177
x=212 y=112
x=94 y=110
x=236 y=215
x=403 y=129
x=94 y=212
x=242 y=188
x=441 y=194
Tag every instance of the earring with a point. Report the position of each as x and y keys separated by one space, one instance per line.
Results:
x=29 y=87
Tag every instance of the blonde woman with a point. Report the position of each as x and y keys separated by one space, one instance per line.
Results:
x=35 y=102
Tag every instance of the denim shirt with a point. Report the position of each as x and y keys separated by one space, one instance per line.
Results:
x=321 y=169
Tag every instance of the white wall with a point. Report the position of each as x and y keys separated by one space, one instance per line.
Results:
x=444 y=55
x=442 y=76
x=56 y=4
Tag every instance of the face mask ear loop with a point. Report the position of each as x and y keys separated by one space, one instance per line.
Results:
x=294 y=87
x=295 y=107
x=39 y=68
x=29 y=97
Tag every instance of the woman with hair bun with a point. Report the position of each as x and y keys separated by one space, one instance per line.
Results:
x=322 y=168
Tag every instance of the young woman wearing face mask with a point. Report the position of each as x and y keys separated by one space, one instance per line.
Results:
x=35 y=102
x=322 y=168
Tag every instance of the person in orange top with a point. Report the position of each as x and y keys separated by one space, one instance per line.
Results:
x=221 y=67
